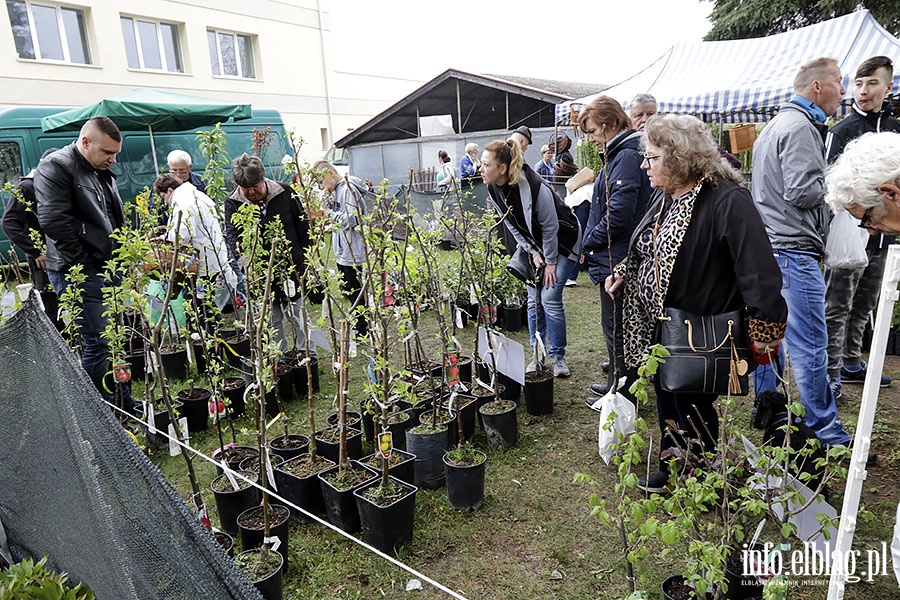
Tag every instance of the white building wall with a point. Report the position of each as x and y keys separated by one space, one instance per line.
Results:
x=288 y=54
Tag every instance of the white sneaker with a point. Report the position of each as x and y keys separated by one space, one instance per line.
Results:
x=571 y=283
x=531 y=367
x=560 y=367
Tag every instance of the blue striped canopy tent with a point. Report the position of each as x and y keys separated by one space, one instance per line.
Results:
x=745 y=81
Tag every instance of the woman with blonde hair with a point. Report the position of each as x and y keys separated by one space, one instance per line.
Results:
x=543 y=227
x=701 y=248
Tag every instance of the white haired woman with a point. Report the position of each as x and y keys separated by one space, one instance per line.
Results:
x=469 y=164
x=868 y=189
x=701 y=247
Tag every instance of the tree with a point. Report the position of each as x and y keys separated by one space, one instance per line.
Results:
x=740 y=19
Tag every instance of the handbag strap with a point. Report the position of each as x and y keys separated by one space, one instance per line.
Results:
x=728 y=336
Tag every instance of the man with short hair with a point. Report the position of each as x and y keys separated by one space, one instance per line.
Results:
x=180 y=165
x=78 y=208
x=788 y=189
x=275 y=201
x=851 y=294
x=640 y=109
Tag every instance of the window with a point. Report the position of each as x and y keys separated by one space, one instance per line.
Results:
x=49 y=32
x=152 y=45
x=231 y=54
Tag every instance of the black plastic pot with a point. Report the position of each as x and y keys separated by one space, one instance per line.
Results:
x=199 y=353
x=740 y=586
x=252 y=464
x=175 y=364
x=299 y=377
x=279 y=519
x=428 y=447
x=387 y=526
x=138 y=364
x=465 y=483
x=673 y=588
x=271 y=586
x=240 y=348
x=467 y=407
x=158 y=441
x=366 y=410
x=235 y=395
x=289 y=446
x=303 y=490
x=444 y=419
x=231 y=503
x=465 y=369
x=234 y=456
x=512 y=317
x=405 y=470
x=539 y=393
x=511 y=390
x=340 y=504
x=195 y=408
x=353 y=419
x=285 y=384
x=501 y=428
x=329 y=446
x=226 y=541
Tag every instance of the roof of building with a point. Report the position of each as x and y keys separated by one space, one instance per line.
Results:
x=475 y=102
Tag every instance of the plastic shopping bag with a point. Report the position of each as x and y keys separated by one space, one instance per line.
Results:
x=846 y=246
x=617 y=415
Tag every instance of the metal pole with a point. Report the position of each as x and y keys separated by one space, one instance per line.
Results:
x=325 y=75
x=153 y=152
x=459 y=123
x=857 y=471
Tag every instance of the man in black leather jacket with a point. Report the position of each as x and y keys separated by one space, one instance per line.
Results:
x=78 y=207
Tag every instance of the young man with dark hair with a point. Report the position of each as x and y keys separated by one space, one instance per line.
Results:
x=851 y=294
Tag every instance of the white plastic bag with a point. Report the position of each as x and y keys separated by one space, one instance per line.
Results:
x=617 y=415
x=846 y=246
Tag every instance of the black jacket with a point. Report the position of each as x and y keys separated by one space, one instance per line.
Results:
x=283 y=206
x=19 y=221
x=630 y=190
x=851 y=127
x=72 y=210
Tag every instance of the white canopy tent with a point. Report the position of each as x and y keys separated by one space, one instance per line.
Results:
x=744 y=81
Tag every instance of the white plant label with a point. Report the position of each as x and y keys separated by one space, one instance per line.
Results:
x=231 y=478
x=269 y=472
x=273 y=541
x=189 y=349
x=459 y=323
x=290 y=288
x=150 y=415
x=174 y=449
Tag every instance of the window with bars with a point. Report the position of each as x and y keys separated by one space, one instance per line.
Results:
x=44 y=31
x=152 y=45
x=231 y=54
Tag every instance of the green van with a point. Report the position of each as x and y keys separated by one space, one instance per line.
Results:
x=22 y=142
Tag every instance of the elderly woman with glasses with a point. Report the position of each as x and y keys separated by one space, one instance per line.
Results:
x=702 y=248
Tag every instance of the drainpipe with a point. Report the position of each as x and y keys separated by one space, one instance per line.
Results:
x=325 y=72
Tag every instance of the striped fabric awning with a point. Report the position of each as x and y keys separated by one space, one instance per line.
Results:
x=745 y=81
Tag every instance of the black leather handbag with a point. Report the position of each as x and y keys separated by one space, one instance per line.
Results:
x=709 y=354
x=522 y=267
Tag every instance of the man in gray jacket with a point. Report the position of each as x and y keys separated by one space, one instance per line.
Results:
x=788 y=188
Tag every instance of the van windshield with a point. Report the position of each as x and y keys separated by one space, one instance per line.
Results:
x=10 y=163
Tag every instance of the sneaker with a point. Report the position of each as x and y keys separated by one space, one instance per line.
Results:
x=835 y=385
x=859 y=375
x=657 y=483
x=599 y=388
x=560 y=367
x=593 y=403
x=571 y=283
x=531 y=367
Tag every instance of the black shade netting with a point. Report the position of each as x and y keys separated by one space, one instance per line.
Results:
x=75 y=488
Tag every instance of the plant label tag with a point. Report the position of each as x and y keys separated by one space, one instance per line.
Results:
x=386 y=444
x=459 y=323
x=352 y=348
x=154 y=364
x=274 y=542
x=174 y=449
x=269 y=472
x=290 y=288
x=150 y=415
x=231 y=478
x=189 y=351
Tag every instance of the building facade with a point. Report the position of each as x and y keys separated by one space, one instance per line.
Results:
x=269 y=53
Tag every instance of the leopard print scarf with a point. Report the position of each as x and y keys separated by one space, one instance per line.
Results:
x=648 y=269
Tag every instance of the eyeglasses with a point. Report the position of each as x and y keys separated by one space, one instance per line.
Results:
x=649 y=158
x=865 y=223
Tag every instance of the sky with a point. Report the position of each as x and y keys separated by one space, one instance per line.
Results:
x=589 y=41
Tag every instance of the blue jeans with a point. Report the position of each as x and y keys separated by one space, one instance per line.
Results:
x=806 y=341
x=546 y=312
x=95 y=359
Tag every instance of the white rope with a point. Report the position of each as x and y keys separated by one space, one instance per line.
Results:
x=387 y=557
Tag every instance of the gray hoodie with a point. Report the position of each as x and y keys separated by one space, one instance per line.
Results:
x=789 y=181
x=348 y=243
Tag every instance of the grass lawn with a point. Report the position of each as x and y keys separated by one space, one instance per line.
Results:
x=534 y=537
